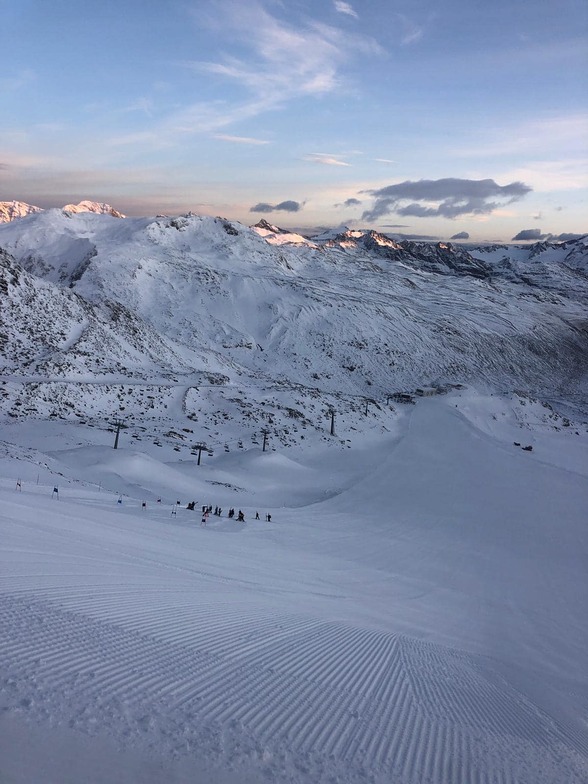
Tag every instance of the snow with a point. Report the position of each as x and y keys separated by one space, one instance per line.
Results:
x=183 y=296
x=415 y=611
x=11 y=210
x=275 y=236
x=100 y=208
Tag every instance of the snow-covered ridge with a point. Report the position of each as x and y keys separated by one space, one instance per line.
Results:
x=196 y=296
x=463 y=259
x=100 y=208
x=12 y=210
x=277 y=236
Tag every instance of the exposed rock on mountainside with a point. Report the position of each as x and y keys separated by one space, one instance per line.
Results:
x=442 y=257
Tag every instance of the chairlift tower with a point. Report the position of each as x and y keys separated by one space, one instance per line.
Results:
x=265 y=434
x=331 y=413
x=201 y=447
x=118 y=423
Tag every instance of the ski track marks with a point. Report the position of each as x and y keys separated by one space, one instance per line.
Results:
x=302 y=699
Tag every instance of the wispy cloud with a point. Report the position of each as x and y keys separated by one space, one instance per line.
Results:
x=325 y=158
x=225 y=137
x=277 y=63
x=553 y=175
x=533 y=137
x=345 y=8
x=282 y=61
x=144 y=105
x=446 y=198
x=411 y=32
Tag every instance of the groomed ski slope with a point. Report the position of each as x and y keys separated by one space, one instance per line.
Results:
x=426 y=622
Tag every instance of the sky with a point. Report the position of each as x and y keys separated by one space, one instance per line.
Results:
x=424 y=118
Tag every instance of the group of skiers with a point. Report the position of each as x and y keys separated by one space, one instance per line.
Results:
x=207 y=510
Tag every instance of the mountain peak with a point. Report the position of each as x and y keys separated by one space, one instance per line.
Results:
x=11 y=210
x=267 y=226
x=276 y=236
x=100 y=208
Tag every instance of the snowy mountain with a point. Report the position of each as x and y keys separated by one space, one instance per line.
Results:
x=540 y=256
x=100 y=208
x=11 y=210
x=276 y=236
x=360 y=315
x=405 y=427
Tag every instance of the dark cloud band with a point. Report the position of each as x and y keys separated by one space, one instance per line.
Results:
x=530 y=234
x=535 y=235
x=446 y=198
x=285 y=206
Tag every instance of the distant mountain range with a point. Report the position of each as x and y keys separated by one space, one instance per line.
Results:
x=11 y=210
x=90 y=301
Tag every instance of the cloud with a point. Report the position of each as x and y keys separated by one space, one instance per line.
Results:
x=530 y=234
x=414 y=237
x=347 y=203
x=268 y=63
x=325 y=158
x=285 y=206
x=225 y=137
x=384 y=160
x=535 y=236
x=411 y=32
x=461 y=235
x=541 y=137
x=566 y=237
x=446 y=198
x=345 y=8
x=283 y=61
x=546 y=176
